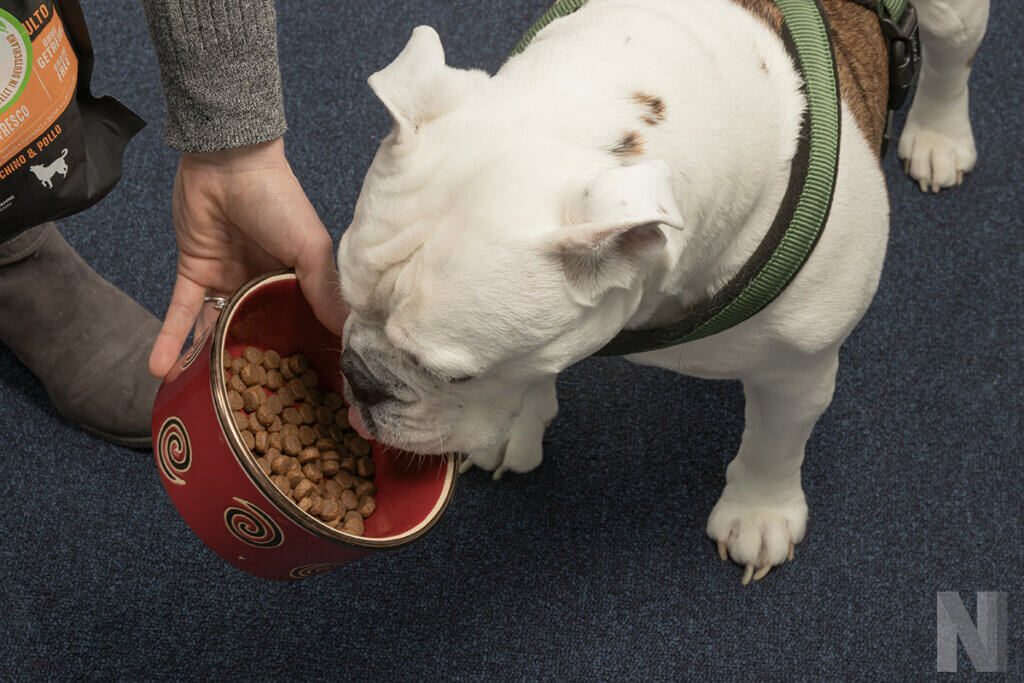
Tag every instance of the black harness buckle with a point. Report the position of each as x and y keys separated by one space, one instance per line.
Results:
x=904 y=55
x=904 y=41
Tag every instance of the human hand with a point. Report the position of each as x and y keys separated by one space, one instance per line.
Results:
x=239 y=213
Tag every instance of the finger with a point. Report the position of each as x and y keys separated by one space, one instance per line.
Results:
x=318 y=278
x=208 y=315
x=186 y=301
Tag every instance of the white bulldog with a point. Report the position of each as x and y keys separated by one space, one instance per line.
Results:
x=624 y=166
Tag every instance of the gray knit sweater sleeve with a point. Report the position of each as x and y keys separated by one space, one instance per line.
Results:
x=218 y=65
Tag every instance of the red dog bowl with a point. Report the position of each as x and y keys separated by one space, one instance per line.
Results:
x=214 y=480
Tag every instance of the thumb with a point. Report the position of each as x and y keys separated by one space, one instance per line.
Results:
x=186 y=301
x=318 y=278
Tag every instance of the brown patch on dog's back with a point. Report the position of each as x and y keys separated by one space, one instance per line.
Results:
x=862 y=60
x=765 y=10
x=654 y=108
x=630 y=144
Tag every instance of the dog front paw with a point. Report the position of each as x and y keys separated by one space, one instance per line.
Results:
x=756 y=532
x=486 y=459
x=521 y=452
x=937 y=150
x=523 y=449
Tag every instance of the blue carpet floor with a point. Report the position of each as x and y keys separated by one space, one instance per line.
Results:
x=595 y=565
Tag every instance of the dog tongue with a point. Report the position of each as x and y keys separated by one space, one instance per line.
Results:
x=356 y=420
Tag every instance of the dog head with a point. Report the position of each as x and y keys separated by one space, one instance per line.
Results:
x=483 y=257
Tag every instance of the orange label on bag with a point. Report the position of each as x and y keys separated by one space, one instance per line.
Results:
x=38 y=74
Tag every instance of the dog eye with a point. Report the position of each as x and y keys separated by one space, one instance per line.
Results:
x=460 y=380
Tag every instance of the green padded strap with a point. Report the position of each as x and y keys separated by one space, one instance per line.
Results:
x=808 y=37
x=556 y=11
x=810 y=34
x=807 y=203
x=894 y=8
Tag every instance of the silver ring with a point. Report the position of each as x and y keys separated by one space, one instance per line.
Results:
x=218 y=302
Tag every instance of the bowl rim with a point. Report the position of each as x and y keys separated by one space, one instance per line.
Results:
x=247 y=460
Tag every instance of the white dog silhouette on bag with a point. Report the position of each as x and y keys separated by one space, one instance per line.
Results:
x=46 y=173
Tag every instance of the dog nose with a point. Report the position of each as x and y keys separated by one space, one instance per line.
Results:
x=365 y=387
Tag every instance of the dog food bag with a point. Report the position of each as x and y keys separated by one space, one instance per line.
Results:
x=60 y=147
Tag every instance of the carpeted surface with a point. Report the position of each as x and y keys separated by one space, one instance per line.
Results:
x=595 y=565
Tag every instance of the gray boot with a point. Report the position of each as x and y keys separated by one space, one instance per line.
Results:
x=86 y=340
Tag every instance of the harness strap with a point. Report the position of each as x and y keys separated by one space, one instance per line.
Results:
x=803 y=212
x=893 y=8
x=558 y=10
x=808 y=200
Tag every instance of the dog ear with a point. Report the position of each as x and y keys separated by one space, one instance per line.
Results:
x=418 y=86
x=615 y=227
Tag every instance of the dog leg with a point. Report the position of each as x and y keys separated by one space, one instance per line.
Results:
x=762 y=513
x=937 y=145
x=523 y=450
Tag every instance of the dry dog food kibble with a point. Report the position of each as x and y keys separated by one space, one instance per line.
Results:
x=285 y=394
x=298 y=363
x=349 y=499
x=300 y=437
x=367 y=504
x=292 y=445
x=236 y=384
x=262 y=441
x=253 y=398
x=307 y=437
x=295 y=475
x=271 y=360
x=353 y=523
x=308 y=454
x=297 y=388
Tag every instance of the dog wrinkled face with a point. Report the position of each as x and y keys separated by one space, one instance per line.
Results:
x=476 y=264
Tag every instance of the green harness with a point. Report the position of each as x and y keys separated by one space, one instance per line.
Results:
x=808 y=199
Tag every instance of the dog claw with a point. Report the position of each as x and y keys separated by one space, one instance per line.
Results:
x=762 y=572
x=498 y=473
x=923 y=184
x=465 y=465
x=789 y=556
x=959 y=177
x=747 y=574
x=722 y=552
